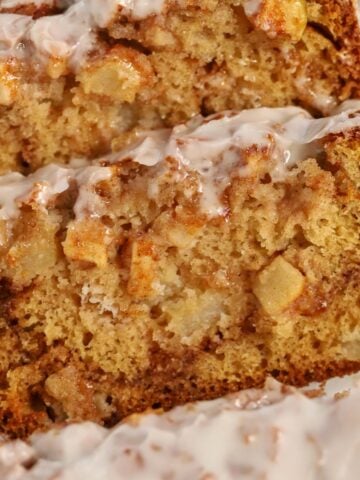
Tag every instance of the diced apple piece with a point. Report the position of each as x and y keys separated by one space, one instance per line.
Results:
x=87 y=241
x=72 y=392
x=278 y=285
x=119 y=75
x=142 y=269
x=34 y=250
x=8 y=86
x=284 y=18
x=181 y=231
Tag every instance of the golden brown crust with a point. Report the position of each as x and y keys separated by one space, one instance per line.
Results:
x=173 y=386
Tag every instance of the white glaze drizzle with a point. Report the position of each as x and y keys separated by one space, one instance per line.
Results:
x=215 y=148
x=135 y=8
x=47 y=183
x=70 y=35
x=273 y=434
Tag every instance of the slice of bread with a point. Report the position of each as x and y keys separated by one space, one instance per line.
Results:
x=78 y=80
x=196 y=262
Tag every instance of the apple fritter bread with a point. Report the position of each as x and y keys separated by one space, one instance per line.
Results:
x=195 y=262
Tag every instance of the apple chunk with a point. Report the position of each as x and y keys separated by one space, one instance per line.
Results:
x=278 y=285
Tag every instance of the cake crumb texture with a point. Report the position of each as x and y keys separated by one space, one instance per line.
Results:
x=153 y=303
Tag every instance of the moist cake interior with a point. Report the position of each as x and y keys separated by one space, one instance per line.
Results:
x=195 y=262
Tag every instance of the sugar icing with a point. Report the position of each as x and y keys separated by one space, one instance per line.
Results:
x=215 y=149
x=274 y=434
x=71 y=34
